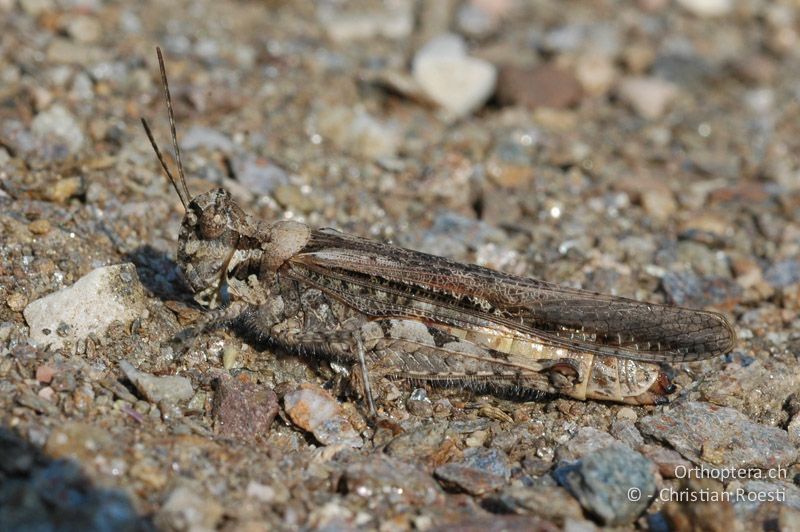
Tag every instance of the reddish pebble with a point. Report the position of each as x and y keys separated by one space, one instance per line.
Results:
x=539 y=86
x=45 y=374
x=243 y=410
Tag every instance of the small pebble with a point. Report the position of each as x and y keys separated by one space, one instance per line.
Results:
x=44 y=374
x=262 y=492
x=35 y=8
x=63 y=189
x=359 y=133
x=47 y=393
x=168 y=388
x=396 y=21
x=625 y=431
x=687 y=288
x=784 y=273
x=596 y=73
x=80 y=441
x=260 y=176
x=84 y=29
x=229 y=356
x=614 y=483
x=481 y=471
x=58 y=123
x=659 y=204
x=422 y=443
x=185 y=509
x=208 y=138
x=243 y=410
x=707 y=8
x=586 y=440
x=378 y=479
x=16 y=301
x=313 y=409
x=649 y=97
x=794 y=430
x=39 y=227
x=550 y=502
x=458 y=83
x=419 y=404
x=475 y=20
x=539 y=86
x=31 y=400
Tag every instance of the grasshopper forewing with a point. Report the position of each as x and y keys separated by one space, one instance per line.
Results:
x=404 y=314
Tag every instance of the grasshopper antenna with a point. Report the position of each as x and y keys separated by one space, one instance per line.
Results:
x=182 y=190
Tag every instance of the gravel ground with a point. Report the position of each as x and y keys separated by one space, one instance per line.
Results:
x=646 y=149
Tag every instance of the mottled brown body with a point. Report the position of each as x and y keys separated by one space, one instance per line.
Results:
x=426 y=318
x=410 y=315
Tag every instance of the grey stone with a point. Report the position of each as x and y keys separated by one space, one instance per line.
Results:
x=721 y=436
x=482 y=470
x=206 y=137
x=58 y=124
x=259 y=176
x=587 y=440
x=382 y=477
x=615 y=484
x=168 y=388
x=550 y=502
x=783 y=273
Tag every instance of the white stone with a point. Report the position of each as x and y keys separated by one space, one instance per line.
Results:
x=458 y=83
x=84 y=29
x=359 y=133
x=104 y=295
x=475 y=21
x=206 y=137
x=649 y=97
x=707 y=8
x=262 y=492
x=187 y=509
x=445 y=45
x=59 y=122
x=595 y=72
x=315 y=410
x=396 y=22
x=36 y=7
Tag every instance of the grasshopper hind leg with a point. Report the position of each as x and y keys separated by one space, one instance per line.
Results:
x=187 y=337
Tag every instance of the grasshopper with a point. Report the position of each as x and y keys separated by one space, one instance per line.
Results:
x=403 y=314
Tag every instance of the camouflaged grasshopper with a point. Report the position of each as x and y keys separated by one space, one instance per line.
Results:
x=403 y=314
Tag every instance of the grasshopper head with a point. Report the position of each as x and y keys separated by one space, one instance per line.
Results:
x=221 y=250
x=208 y=240
x=211 y=227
